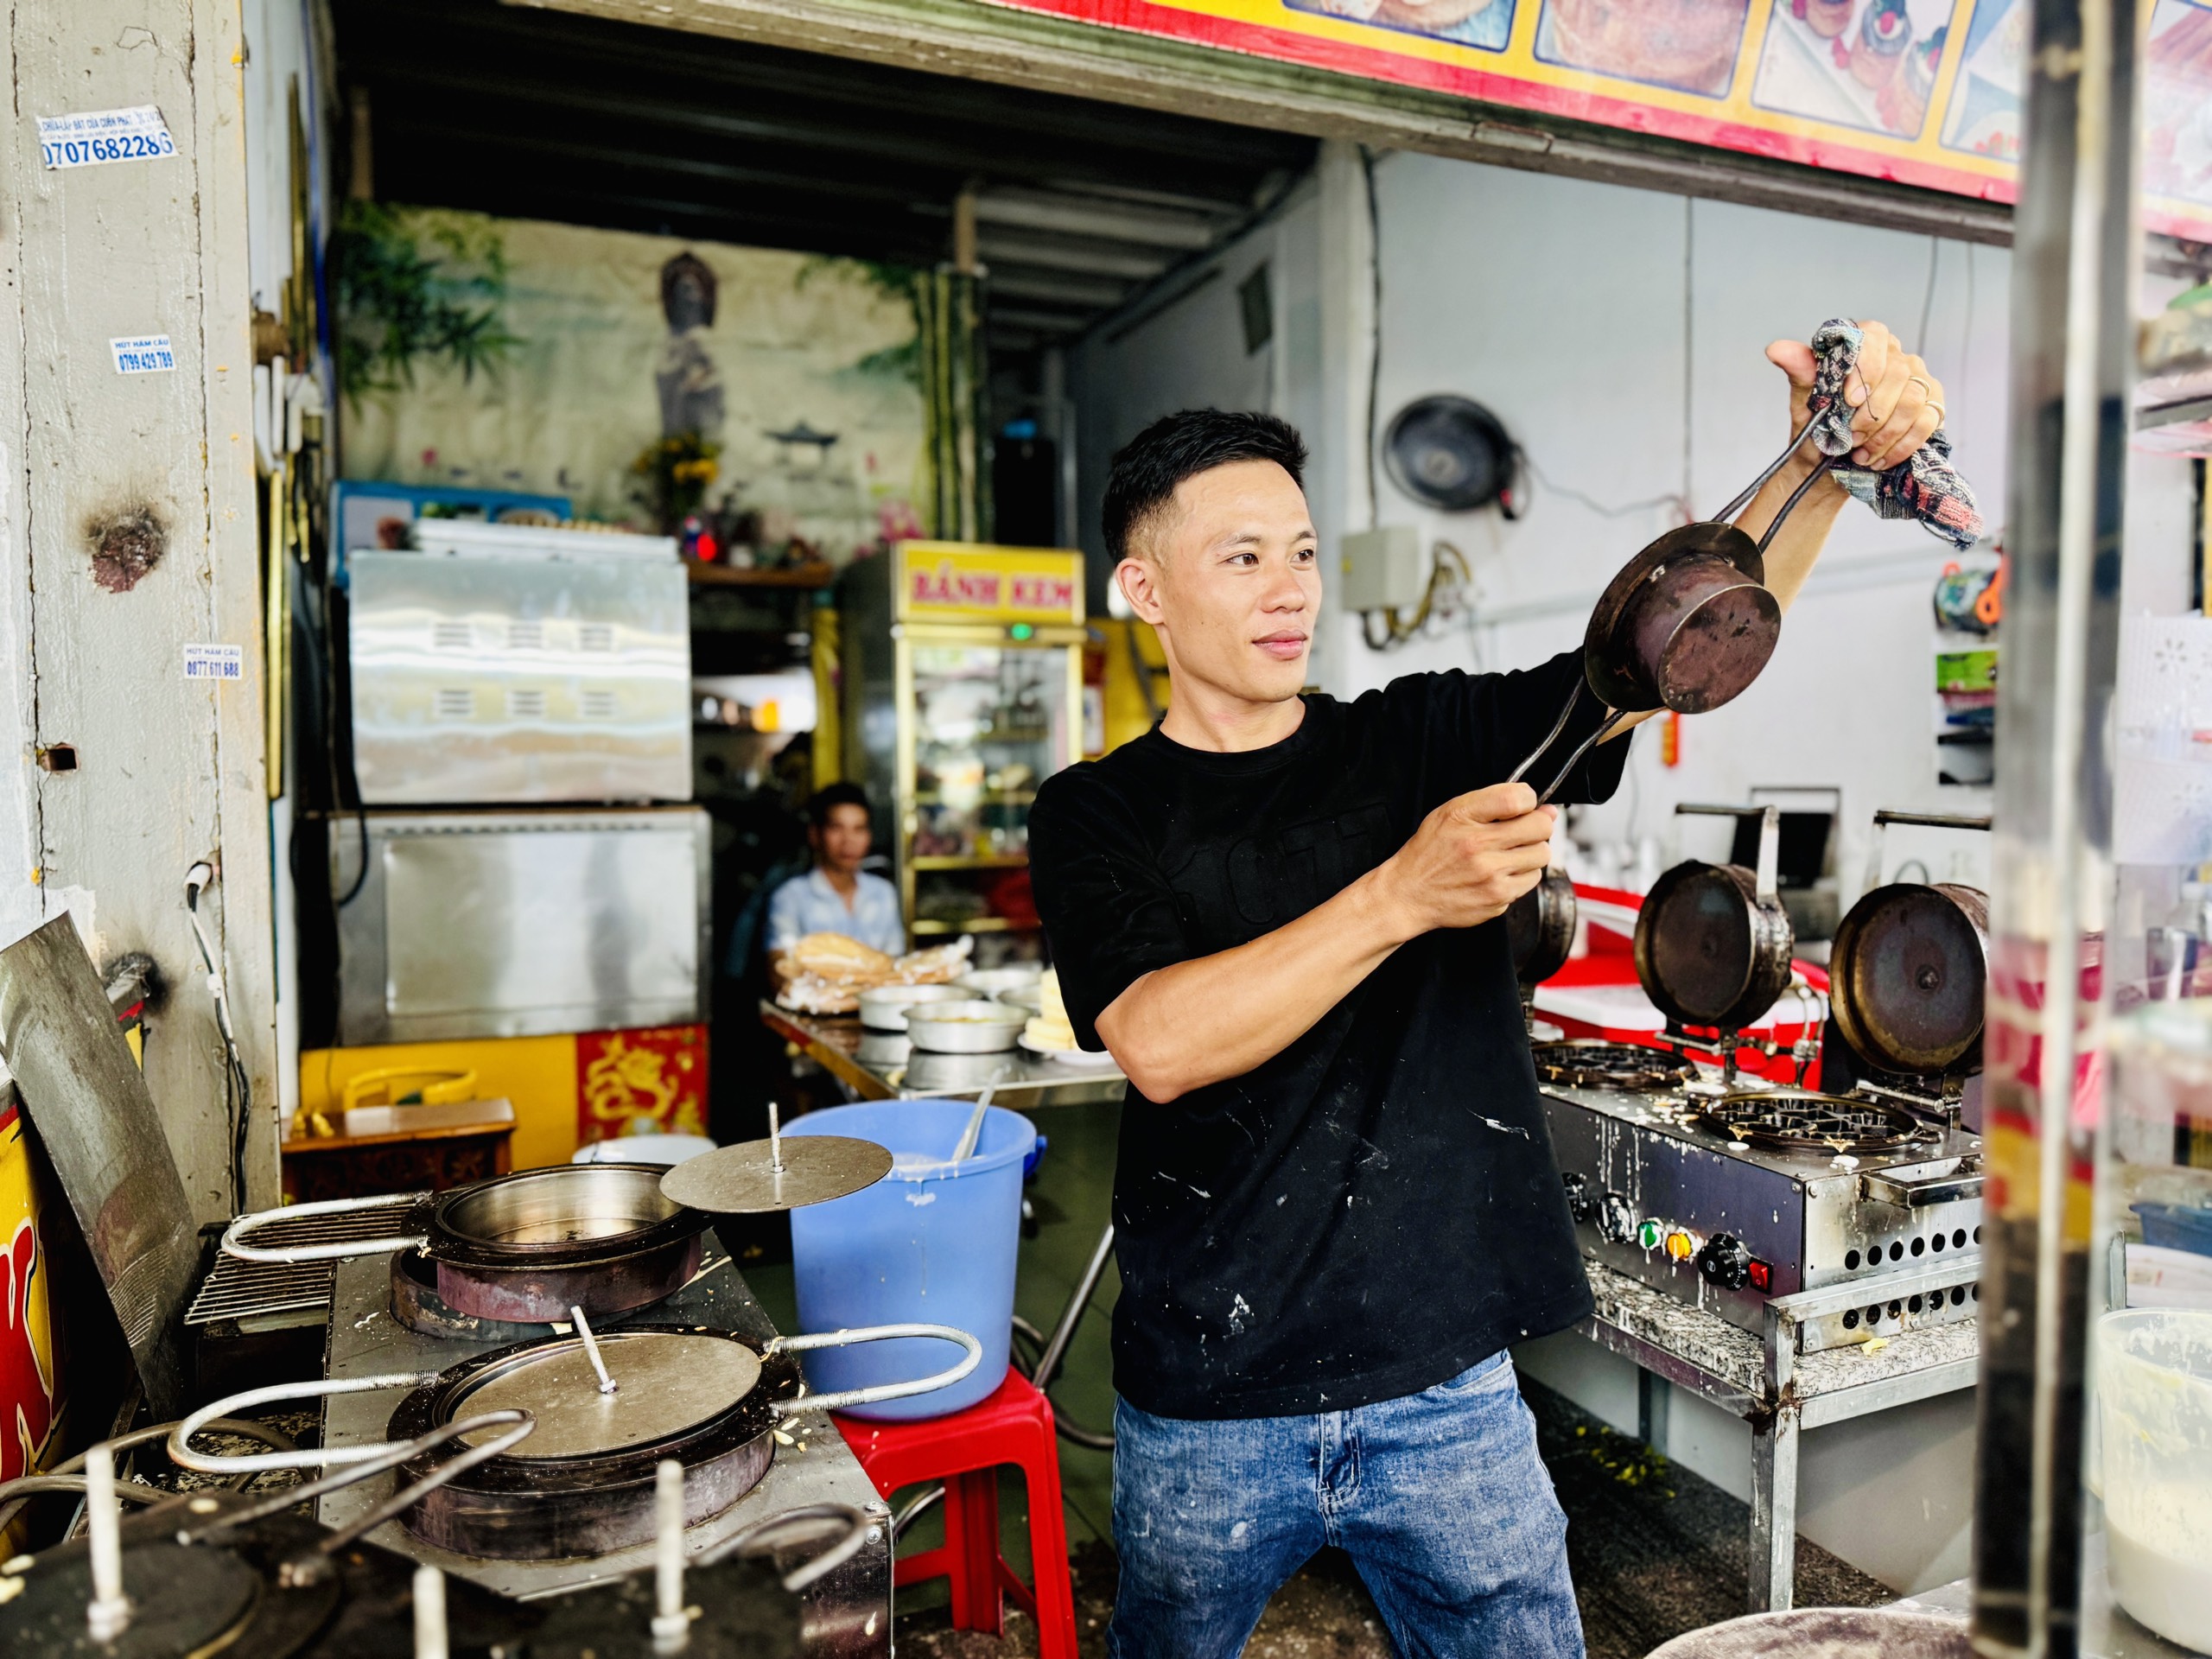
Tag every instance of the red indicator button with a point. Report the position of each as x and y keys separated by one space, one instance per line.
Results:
x=1762 y=1274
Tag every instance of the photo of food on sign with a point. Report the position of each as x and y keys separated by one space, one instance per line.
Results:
x=1854 y=63
x=1690 y=45
x=1484 y=23
x=2177 y=102
x=1984 y=113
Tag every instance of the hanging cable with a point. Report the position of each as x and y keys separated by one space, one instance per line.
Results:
x=238 y=1086
x=1374 y=327
x=1438 y=600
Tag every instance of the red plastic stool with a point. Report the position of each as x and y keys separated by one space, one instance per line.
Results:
x=963 y=1450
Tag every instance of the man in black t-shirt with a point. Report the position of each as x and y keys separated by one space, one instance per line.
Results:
x=1336 y=1202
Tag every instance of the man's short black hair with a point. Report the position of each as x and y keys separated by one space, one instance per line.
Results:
x=825 y=801
x=1183 y=445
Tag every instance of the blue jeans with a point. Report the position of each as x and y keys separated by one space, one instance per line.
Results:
x=1439 y=1498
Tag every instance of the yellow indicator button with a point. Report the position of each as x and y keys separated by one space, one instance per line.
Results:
x=1681 y=1245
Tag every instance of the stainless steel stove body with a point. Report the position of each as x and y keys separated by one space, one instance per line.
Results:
x=847 y=1615
x=1725 y=1216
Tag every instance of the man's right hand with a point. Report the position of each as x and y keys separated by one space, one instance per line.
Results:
x=1471 y=858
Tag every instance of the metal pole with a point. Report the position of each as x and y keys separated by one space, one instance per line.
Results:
x=2073 y=307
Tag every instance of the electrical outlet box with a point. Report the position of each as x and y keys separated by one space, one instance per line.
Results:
x=1381 y=569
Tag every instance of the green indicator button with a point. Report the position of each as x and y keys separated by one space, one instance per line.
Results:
x=1650 y=1234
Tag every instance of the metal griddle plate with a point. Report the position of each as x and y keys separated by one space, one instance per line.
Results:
x=668 y=1382
x=1798 y=1120
x=740 y=1180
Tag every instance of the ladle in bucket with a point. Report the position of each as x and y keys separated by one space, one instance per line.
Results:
x=1686 y=625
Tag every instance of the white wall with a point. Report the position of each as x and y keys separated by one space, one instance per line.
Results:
x=1620 y=334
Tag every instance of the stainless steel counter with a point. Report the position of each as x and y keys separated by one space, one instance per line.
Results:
x=874 y=1066
x=848 y=1615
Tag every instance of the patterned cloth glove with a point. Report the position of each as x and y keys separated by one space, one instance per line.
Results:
x=1925 y=486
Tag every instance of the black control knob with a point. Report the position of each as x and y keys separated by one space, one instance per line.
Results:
x=1579 y=1203
x=1617 y=1218
x=1725 y=1262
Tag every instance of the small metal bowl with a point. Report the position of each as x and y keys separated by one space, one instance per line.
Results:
x=883 y=1007
x=967 y=1028
x=997 y=981
x=1028 y=998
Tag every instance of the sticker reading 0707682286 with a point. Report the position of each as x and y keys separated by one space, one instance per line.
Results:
x=93 y=137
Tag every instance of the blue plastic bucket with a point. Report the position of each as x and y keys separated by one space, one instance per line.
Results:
x=932 y=1242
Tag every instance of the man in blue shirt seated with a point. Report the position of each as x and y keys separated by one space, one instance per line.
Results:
x=837 y=896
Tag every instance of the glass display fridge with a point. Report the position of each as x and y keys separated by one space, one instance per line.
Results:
x=962 y=691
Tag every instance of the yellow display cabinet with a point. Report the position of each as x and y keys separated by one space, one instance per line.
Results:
x=963 y=669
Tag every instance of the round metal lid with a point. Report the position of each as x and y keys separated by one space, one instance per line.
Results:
x=1695 y=941
x=1908 y=974
x=668 y=1382
x=740 y=1181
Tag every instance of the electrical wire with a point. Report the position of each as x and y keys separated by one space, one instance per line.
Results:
x=1441 y=582
x=1374 y=327
x=1681 y=504
x=237 y=1083
x=1927 y=299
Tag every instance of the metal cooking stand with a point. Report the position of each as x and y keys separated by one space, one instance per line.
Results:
x=846 y=1615
x=1776 y=1390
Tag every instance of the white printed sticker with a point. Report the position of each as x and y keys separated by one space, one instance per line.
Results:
x=134 y=135
x=214 y=661
x=143 y=355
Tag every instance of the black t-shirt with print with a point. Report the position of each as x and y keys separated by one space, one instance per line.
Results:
x=1377 y=1208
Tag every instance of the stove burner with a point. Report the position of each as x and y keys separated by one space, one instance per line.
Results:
x=1609 y=1066
x=1796 y=1120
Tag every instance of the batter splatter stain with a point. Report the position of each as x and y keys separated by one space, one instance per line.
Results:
x=125 y=544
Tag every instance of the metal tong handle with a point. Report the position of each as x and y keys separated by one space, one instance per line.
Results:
x=1611 y=723
x=1744 y=499
x=1887 y=816
x=753 y=1542
x=519 y=1424
x=1825 y=465
x=314 y=1457
x=868 y=1396
x=1770 y=854
x=283 y=1255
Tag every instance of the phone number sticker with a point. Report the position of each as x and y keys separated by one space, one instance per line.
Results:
x=214 y=661
x=143 y=355
x=98 y=136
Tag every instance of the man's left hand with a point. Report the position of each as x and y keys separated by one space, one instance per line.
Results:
x=1897 y=402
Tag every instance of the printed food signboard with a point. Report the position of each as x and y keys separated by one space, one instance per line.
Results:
x=1927 y=93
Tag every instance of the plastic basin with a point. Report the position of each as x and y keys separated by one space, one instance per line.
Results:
x=931 y=1242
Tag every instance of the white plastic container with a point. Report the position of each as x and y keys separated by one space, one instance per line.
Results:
x=2154 y=1391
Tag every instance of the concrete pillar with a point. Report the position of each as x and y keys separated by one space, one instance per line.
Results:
x=127 y=534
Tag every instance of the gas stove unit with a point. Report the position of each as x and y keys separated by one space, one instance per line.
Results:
x=1586 y=1063
x=1725 y=1196
x=1725 y=1203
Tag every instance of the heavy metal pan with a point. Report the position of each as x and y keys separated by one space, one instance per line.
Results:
x=1907 y=977
x=1688 y=624
x=600 y=1411
x=1540 y=928
x=583 y=1484
x=1712 y=941
x=527 y=1247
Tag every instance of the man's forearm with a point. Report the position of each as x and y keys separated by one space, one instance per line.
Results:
x=1199 y=1022
x=1797 y=547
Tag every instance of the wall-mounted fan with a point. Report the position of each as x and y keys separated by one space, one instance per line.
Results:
x=1449 y=452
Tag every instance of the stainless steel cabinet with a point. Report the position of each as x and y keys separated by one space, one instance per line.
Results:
x=521 y=924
